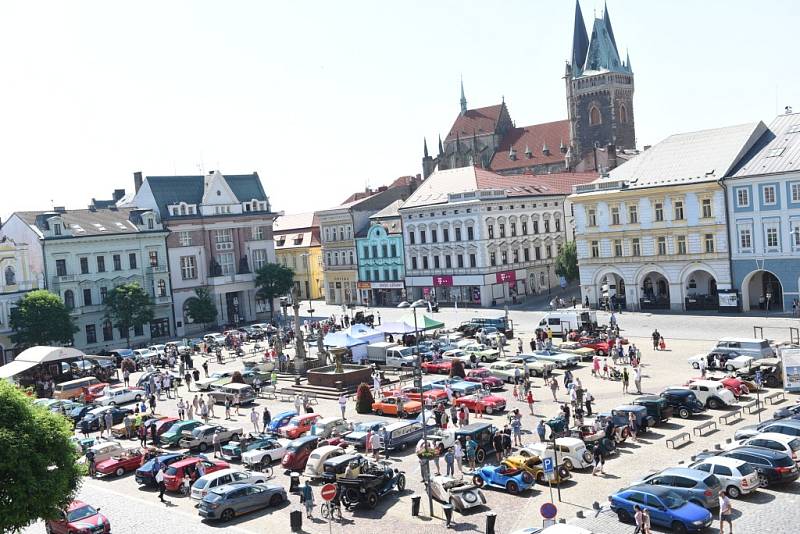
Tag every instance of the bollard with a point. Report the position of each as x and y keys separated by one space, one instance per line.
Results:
x=491 y=517
x=562 y=520
x=296 y=520
x=294 y=482
x=595 y=505
x=415 y=500
x=579 y=514
x=448 y=513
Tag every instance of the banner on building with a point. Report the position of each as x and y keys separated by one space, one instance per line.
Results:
x=476 y=294
x=442 y=280
x=506 y=277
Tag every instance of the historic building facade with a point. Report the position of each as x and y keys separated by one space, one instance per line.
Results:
x=473 y=237
x=652 y=233
x=764 y=219
x=297 y=246
x=379 y=248
x=16 y=279
x=599 y=132
x=220 y=234
x=84 y=254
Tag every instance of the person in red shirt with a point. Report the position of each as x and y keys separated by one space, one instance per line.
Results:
x=529 y=398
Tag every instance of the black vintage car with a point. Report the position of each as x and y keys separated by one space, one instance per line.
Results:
x=657 y=408
x=483 y=434
x=370 y=485
x=683 y=402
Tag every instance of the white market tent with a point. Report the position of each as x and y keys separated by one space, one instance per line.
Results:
x=30 y=358
x=356 y=338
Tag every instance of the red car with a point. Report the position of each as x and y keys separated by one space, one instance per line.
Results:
x=299 y=425
x=175 y=472
x=130 y=460
x=489 y=403
x=440 y=367
x=435 y=395
x=601 y=346
x=78 y=517
x=94 y=392
x=298 y=451
x=484 y=377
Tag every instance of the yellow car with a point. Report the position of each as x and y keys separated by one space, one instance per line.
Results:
x=533 y=465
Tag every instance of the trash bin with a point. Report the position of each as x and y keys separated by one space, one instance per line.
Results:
x=448 y=513
x=415 y=501
x=491 y=517
x=294 y=482
x=296 y=520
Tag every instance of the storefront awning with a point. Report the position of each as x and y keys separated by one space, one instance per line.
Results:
x=16 y=367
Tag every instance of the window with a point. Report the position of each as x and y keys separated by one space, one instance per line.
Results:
x=395 y=274
x=367 y=275
x=594 y=116
x=436 y=262
x=513 y=228
x=615 y=216
x=524 y=228
x=103 y=294
x=226 y=263
x=745 y=239
x=678 y=210
x=769 y=194
x=662 y=246
x=535 y=227
x=108 y=331
x=414 y=262
x=162 y=288
x=526 y=254
x=333 y=232
x=117 y=262
x=138 y=330
x=547 y=226
x=376 y=275
x=515 y=256
x=57 y=229
x=448 y=262
x=394 y=250
x=502 y=230
x=460 y=261
x=681 y=244
x=795 y=187
x=445 y=234
x=132 y=260
x=633 y=214
x=742 y=197
x=185 y=239
x=150 y=223
x=537 y=252
x=470 y=233
x=424 y=262
x=636 y=246
x=659 y=211
x=458 y=233
x=492 y=259
x=423 y=236
x=223 y=239
x=623 y=114
x=473 y=260
x=706 y=208
x=374 y=251
x=91 y=334
x=350 y=257
x=87 y=297
x=595 y=249
x=549 y=250
x=69 y=299
x=795 y=234
x=434 y=235
x=101 y=264
x=709 y=240
x=260 y=258
x=592 y=218
x=490 y=230
x=153 y=255
x=258 y=233
x=617 y=247
x=84 y=265
x=504 y=257
x=412 y=237
x=772 y=236
x=61 y=267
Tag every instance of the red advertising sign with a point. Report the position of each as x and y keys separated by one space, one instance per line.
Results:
x=442 y=280
x=506 y=276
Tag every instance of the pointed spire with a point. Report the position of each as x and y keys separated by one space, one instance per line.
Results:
x=580 y=41
x=607 y=22
x=425 y=146
x=628 y=61
x=463 y=98
x=441 y=150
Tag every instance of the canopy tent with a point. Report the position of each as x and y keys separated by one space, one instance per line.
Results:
x=30 y=358
x=342 y=339
x=398 y=327
x=365 y=333
x=423 y=322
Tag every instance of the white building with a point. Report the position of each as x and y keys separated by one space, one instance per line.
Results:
x=475 y=237
x=16 y=279
x=652 y=234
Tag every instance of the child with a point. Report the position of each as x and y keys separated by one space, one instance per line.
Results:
x=515 y=392
x=662 y=345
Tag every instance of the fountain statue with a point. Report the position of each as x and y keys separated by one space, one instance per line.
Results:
x=299 y=344
x=337 y=358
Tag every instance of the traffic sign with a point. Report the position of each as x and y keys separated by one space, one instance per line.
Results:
x=328 y=492
x=548 y=466
x=758 y=378
x=548 y=510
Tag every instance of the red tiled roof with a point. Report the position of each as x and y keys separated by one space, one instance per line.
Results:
x=533 y=137
x=520 y=185
x=479 y=121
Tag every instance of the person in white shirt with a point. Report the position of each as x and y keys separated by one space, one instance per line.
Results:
x=342 y=404
x=725 y=513
x=458 y=453
x=254 y=418
x=161 y=486
x=375 y=445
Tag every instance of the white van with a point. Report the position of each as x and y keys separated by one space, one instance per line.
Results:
x=757 y=348
x=561 y=322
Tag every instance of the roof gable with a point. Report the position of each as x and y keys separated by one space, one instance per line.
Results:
x=217 y=191
x=479 y=121
x=777 y=151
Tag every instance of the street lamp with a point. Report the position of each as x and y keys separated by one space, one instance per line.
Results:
x=769 y=296
x=421 y=303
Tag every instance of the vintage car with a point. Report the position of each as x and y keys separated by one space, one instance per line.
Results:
x=505 y=476
x=574 y=347
x=572 y=452
x=357 y=437
x=483 y=353
x=129 y=460
x=593 y=437
x=728 y=361
x=535 y=366
x=482 y=433
x=343 y=466
x=91 y=421
x=316 y=460
x=421 y=394
x=484 y=377
x=734 y=385
x=562 y=360
x=439 y=367
x=459 y=493
x=298 y=451
x=330 y=426
x=771 y=370
x=643 y=418
x=458 y=385
x=683 y=402
x=202 y=437
x=533 y=465
x=145 y=474
x=175 y=473
x=371 y=484
x=122 y=395
x=175 y=433
x=396 y=406
x=299 y=425
x=232 y=451
x=93 y=392
x=489 y=404
x=280 y=420
x=263 y=452
x=78 y=517
x=104 y=450
x=204 y=384
x=163 y=425
x=712 y=394
x=657 y=407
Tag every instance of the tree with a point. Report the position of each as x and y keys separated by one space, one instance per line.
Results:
x=201 y=309
x=567 y=262
x=41 y=318
x=129 y=306
x=364 y=399
x=457 y=368
x=274 y=280
x=38 y=465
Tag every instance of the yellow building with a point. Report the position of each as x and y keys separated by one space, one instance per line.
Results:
x=298 y=247
x=16 y=279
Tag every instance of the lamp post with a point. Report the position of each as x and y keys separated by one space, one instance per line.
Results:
x=769 y=296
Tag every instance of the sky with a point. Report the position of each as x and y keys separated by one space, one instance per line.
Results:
x=325 y=98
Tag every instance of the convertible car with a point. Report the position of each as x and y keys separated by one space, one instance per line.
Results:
x=533 y=464
x=504 y=476
x=457 y=492
x=370 y=485
x=118 y=465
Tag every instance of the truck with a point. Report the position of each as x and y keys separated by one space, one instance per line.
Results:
x=561 y=322
x=391 y=355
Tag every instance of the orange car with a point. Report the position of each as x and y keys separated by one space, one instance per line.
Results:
x=299 y=425
x=396 y=406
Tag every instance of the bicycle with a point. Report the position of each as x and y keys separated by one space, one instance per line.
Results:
x=331 y=510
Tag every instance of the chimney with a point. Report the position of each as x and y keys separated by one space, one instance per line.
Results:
x=60 y=209
x=118 y=194
x=137 y=180
x=647 y=147
x=611 y=155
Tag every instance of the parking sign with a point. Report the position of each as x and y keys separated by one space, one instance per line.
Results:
x=547 y=465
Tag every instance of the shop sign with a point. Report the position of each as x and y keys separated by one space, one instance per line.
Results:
x=442 y=280
x=506 y=277
x=388 y=285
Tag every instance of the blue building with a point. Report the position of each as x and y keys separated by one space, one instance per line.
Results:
x=381 y=270
x=763 y=199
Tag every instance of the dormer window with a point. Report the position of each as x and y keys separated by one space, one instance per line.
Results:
x=183 y=209
x=150 y=223
x=57 y=229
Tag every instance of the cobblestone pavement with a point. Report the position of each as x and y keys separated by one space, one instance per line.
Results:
x=134 y=510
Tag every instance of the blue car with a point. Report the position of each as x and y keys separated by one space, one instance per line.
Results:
x=145 y=476
x=459 y=386
x=503 y=476
x=281 y=419
x=666 y=508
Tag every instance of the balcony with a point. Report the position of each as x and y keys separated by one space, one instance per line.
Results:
x=224 y=279
x=163 y=300
x=157 y=269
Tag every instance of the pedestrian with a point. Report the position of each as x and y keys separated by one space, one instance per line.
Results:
x=587 y=401
x=188 y=379
x=254 y=418
x=497 y=442
x=454 y=413
x=308 y=500
x=152 y=404
x=541 y=430
x=529 y=398
x=625 y=379
x=227 y=408
x=662 y=343
x=656 y=338
x=507 y=441
x=141 y=431
x=298 y=403
x=567 y=378
x=189 y=411
x=595 y=366
x=517 y=377
x=126 y=377
x=638 y=519
x=519 y=345
x=566 y=412
x=211 y=402
x=554 y=387
x=266 y=419
x=181 y=409
x=205 y=367
x=703 y=367
x=162 y=487
x=342 y=405
x=128 y=426
x=108 y=419
x=438 y=451
x=237 y=401
x=217 y=442
x=375 y=445
x=472 y=448
x=90 y=459
x=479 y=408
x=449 y=458
x=599 y=459
x=515 y=392
x=725 y=513
x=462 y=416
x=458 y=454
x=449 y=391
x=633 y=426
x=516 y=427
x=637 y=379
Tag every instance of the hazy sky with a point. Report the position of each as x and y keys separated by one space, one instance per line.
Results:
x=324 y=97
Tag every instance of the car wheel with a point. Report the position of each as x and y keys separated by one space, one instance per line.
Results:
x=483 y=359
x=587 y=457
x=744 y=390
x=730 y=368
x=713 y=403
x=733 y=492
x=512 y=487
x=601 y=352
x=234 y=437
x=763 y=481
x=625 y=434
x=372 y=499
x=540 y=477
x=527 y=478
x=534 y=373
x=679 y=528
x=401 y=482
x=489 y=410
x=226 y=515
x=137 y=398
x=683 y=413
x=112 y=403
x=350 y=497
x=696 y=365
x=275 y=500
x=772 y=381
x=510 y=380
x=480 y=455
x=379 y=413
x=563 y=474
x=568 y=464
x=403 y=446
x=119 y=472
x=203 y=447
x=478 y=481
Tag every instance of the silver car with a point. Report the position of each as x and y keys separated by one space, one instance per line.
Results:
x=226 y=502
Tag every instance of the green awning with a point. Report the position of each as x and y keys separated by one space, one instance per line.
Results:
x=423 y=322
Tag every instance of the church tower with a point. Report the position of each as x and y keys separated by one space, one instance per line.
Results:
x=599 y=93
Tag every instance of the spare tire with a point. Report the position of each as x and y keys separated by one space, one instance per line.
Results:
x=563 y=472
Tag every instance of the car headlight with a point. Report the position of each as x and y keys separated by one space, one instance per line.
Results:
x=698 y=522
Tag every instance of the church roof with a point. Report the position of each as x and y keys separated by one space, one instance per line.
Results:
x=479 y=121
x=602 y=54
x=777 y=151
x=580 y=40
x=535 y=137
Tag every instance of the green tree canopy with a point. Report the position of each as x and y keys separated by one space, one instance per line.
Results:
x=201 y=308
x=567 y=262
x=129 y=306
x=274 y=280
x=38 y=463
x=41 y=318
